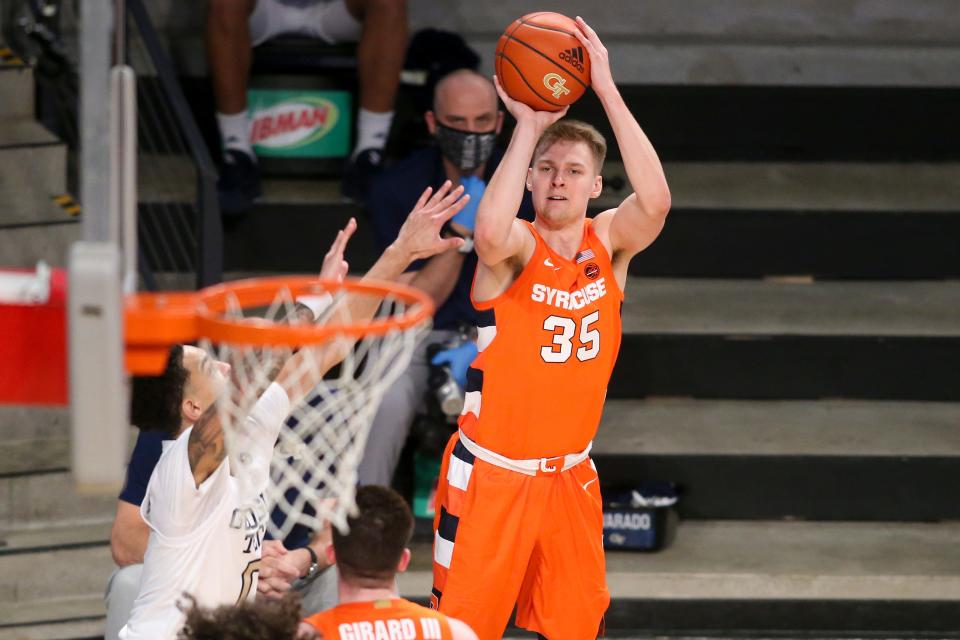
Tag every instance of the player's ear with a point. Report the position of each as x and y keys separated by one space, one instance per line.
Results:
x=190 y=410
x=330 y=554
x=597 y=187
x=499 y=126
x=404 y=561
x=431 y=119
x=529 y=178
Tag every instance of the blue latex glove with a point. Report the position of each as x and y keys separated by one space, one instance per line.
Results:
x=473 y=187
x=458 y=359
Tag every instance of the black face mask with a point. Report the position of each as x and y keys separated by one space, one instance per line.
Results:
x=465 y=149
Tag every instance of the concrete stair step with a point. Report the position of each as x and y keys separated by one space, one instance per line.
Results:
x=34 y=455
x=881 y=578
x=34 y=206
x=867 y=187
x=64 y=572
x=30 y=155
x=24 y=246
x=739 y=20
x=20 y=422
x=826 y=245
x=770 y=560
x=837 y=428
x=20 y=540
x=36 y=439
x=787 y=123
x=76 y=618
x=782 y=308
x=733 y=42
x=818 y=460
x=730 y=220
x=16 y=85
x=39 y=499
x=25 y=132
x=698 y=61
x=847 y=572
x=734 y=20
x=774 y=187
x=787 y=340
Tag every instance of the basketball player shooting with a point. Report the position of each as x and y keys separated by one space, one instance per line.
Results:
x=205 y=539
x=519 y=517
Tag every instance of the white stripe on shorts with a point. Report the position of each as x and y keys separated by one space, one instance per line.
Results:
x=442 y=551
x=458 y=473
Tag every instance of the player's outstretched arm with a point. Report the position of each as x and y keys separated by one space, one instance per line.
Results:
x=419 y=237
x=638 y=220
x=498 y=234
x=206 y=447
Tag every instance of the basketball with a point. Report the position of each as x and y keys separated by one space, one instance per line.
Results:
x=540 y=62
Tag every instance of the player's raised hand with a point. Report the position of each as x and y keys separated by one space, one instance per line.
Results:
x=525 y=113
x=334 y=266
x=601 y=79
x=419 y=236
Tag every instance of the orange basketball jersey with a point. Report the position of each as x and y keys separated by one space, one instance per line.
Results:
x=395 y=619
x=547 y=348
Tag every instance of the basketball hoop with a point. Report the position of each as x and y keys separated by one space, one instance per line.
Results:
x=253 y=325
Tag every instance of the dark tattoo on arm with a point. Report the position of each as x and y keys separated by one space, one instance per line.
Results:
x=205 y=448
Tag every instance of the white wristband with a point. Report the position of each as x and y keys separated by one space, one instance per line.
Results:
x=316 y=304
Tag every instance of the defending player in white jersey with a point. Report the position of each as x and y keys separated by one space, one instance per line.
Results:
x=202 y=541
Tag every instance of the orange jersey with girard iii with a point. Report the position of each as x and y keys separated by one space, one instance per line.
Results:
x=395 y=619
x=547 y=345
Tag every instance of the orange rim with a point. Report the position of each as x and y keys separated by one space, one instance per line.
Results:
x=160 y=319
x=152 y=323
x=259 y=292
x=155 y=321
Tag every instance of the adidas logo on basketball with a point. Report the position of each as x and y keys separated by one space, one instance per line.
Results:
x=573 y=57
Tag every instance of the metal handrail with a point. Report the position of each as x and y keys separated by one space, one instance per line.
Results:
x=209 y=256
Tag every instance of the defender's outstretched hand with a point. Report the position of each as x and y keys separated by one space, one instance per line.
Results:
x=524 y=113
x=334 y=266
x=601 y=79
x=419 y=236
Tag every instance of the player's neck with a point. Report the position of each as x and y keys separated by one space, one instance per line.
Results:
x=352 y=593
x=564 y=239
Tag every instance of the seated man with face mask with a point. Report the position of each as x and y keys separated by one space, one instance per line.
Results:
x=464 y=122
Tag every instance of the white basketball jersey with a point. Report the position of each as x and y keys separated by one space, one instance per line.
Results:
x=202 y=541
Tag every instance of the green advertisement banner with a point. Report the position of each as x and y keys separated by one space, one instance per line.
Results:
x=307 y=123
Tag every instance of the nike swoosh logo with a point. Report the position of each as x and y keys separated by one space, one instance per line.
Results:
x=549 y=264
x=587 y=484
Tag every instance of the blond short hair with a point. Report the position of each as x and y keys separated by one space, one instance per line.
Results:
x=573 y=131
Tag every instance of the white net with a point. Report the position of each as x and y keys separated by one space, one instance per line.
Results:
x=310 y=476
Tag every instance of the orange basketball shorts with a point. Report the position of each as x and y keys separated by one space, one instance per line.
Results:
x=504 y=538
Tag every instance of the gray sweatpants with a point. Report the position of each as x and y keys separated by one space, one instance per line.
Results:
x=401 y=403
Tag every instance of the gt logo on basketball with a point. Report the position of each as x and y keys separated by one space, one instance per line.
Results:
x=555 y=82
x=573 y=57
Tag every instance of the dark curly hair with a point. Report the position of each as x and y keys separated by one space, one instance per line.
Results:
x=155 y=400
x=257 y=620
x=369 y=554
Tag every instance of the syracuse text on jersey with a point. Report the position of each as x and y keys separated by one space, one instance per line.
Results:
x=569 y=300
